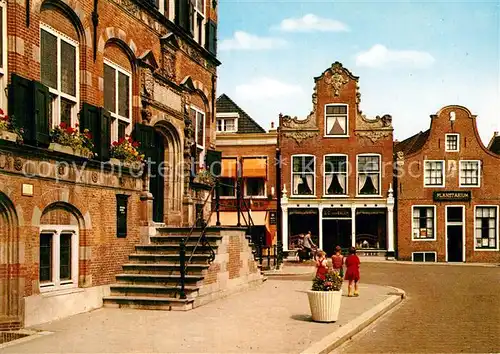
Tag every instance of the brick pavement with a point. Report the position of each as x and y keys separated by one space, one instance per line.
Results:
x=448 y=309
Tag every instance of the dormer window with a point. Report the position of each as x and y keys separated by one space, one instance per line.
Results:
x=336 y=120
x=452 y=142
x=227 y=122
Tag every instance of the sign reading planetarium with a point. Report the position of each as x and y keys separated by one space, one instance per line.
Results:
x=452 y=196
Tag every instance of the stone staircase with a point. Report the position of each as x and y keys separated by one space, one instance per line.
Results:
x=151 y=278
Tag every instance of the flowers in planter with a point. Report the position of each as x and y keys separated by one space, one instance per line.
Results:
x=332 y=282
x=8 y=124
x=204 y=177
x=126 y=150
x=72 y=137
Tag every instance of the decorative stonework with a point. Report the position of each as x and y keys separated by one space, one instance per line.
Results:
x=400 y=159
x=338 y=79
x=300 y=136
x=18 y=164
x=374 y=135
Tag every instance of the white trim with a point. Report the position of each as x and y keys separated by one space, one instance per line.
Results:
x=171 y=10
x=56 y=231
x=443 y=174
x=202 y=147
x=292 y=173
x=161 y=6
x=479 y=169
x=326 y=135
x=56 y=104
x=115 y=115
x=424 y=253
x=454 y=223
x=379 y=175
x=497 y=248
x=4 y=70
x=224 y=120
x=227 y=115
x=199 y=13
x=346 y=194
x=446 y=142
x=434 y=231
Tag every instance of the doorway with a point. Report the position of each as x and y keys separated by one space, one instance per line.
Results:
x=336 y=232
x=455 y=233
x=157 y=179
x=300 y=221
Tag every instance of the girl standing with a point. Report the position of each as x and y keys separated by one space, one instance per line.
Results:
x=321 y=265
x=338 y=261
x=352 y=263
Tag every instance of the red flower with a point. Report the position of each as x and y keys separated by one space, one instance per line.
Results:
x=129 y=139
x=121 y=140
x=5 y=118
x=88 y=135
x=1 y=112
x=77 y=125
x=63 y=125
x=70 y=130
x=135 y=144
x=115 y=143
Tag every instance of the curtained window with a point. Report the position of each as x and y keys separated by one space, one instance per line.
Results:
x=336 y=120
x=486 y=227
x=303 y=169
x=423 y=222
x=369 y=175
x=335 y=175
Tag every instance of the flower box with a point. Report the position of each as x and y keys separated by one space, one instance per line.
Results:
x=69 y=150
x=135 y=165
x=9 y=136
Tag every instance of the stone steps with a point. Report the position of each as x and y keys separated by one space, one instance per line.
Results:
x=162 y=268
x=153 y=290
x=160 y=258
x=149 y=303
x=172 y=249
x=176 y=240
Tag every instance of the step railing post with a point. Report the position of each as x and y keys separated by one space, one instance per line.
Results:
x=217 y=200
x=182 y=255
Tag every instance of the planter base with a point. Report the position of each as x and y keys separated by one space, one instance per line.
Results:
x=325 y=305
x=9 y=136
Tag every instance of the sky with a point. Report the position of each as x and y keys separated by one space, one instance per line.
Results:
x=412 y=58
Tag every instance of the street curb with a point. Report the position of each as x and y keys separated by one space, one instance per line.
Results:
x=31 y=335
x=287 y=274
x=344 y=333
x=487 y=265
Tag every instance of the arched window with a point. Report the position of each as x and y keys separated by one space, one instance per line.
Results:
x=118 y=90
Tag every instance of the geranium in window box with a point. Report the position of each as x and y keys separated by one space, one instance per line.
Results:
x=204 y=177
x=9 y=130
x=126 y=152
x=325 y=297
x=69 y=140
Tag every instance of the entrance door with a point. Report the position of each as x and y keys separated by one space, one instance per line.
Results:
x=336 y=233
x=157 y=179
x=455 y=233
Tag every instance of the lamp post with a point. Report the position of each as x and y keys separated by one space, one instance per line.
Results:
x=279 y=227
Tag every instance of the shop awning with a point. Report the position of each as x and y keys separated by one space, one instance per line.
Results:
x=228 y=168
x=255 y=167
x=230 y=218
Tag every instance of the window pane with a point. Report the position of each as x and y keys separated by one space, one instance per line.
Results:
x=227 y=187
x=122 y=127
x=335 y=164
x=220 y=126
x=123 y=95
x=199 y=129
x=418 y=257
x=336 y=109
x=255 y=186
x=45 y=258
x=48 y=56
x=230 y=124
x=66 y=107
x=336 y=125
x=430 y=257
x=65 y=254
x=68 y=68
x=109 y=88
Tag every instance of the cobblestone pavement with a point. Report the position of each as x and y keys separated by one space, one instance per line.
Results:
x=449 y=308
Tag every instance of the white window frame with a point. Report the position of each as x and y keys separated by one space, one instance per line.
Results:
x=424 y=252
x=434 y=223
x=379 y=175
x=325 y=195
x=446 y=142
x=5 y=55
x=497 y=240
x=223 y=120
x=161 y=6
x=199 y=13
x=326 y=135
x=56 y=104
x=479 y=168
x=56 y=231
x=171 y=10
x=313 y=195
x=443 y=169
x=202 y=147
x=115 y=116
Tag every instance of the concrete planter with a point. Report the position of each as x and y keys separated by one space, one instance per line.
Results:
x=68 y=150
x=9 y=136
x=325 y=305
x=136 y=166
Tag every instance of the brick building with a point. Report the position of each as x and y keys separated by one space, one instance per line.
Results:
x=117 y=67
x=337 y=170
x=494 y=144
x=447 y=192
x=248 y=151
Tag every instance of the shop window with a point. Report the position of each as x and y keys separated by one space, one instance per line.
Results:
x=486 y=225
x=335 y=175
x=3 y=55
x=303 y=172
x=255 y=187
x=433 y=173
x=423 y=256
x=369 y=175
x=227 y=187
x=470 y=173
x=58 y=252
x=118 y=99
x=59 y=69
x=336 y=120
x=452 y=142
x=423 y=222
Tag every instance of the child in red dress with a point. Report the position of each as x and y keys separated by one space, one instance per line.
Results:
x=352 y=263
x=321 y=265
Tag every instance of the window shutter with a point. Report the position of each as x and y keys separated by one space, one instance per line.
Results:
x=145 y=135
x=211 y=37
x=105 y=135
x=20 y=105
x=213 y=161
x=89 y=119
x=41 y=111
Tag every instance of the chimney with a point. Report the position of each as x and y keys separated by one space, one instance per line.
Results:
x=272 y=125
x=495 y=133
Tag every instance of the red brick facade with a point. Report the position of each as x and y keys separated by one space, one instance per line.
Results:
x=169 y=73
x=432 y=145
